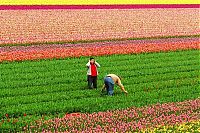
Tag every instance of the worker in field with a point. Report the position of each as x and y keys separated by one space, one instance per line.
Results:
x=109 y=81
x=92 y=73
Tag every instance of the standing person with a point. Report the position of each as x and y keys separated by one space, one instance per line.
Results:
x=109 y=81
x=92 y=73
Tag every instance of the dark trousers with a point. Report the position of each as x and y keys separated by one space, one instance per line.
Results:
x=109 y=83
x=92 y=81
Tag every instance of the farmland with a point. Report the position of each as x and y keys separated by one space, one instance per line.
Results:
x=59 y=86
x=43 y=81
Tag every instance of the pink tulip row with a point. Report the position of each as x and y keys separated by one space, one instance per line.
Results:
x=28 y=26
x=34 y=53
x=130 y=119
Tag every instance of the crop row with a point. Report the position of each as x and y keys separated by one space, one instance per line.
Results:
x=67 y=77
x=136 y=79
x=136 y=58
x=50 y=89
x=94 y=51
x=65 y=81
x=32 y=26
x=72 y=89
x=145 y=89
x=93 y=104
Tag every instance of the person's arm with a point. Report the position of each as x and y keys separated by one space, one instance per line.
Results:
x=103 y=88
x=88 y=64
x=121 y=86
x=97 y=64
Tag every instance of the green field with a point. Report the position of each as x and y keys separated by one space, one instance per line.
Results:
x=60 y=86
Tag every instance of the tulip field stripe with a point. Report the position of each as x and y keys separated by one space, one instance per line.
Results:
x=191 y=126
x=49 y=53
x=85 y=7
x=171 y=113
x=129 y=119
x=93 y=3
x=40 y=26
x=169 y=56
x=124 y=58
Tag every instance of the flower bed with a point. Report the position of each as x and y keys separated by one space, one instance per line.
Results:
x=192 y=126
x=20 y=53
x=130 y=119
x=32 y=26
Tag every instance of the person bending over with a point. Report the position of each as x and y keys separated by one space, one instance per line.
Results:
x=109 y=81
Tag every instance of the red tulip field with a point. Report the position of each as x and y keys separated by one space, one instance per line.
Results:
x=43 y=81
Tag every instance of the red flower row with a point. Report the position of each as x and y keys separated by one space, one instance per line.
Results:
x=126 y=120
x=63 y=52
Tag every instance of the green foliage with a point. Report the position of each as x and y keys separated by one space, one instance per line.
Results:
x=59 y=86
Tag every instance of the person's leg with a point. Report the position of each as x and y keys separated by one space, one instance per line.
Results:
x=109 y=85
x=110 y=89
x=95 y=82
x=90 y=81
